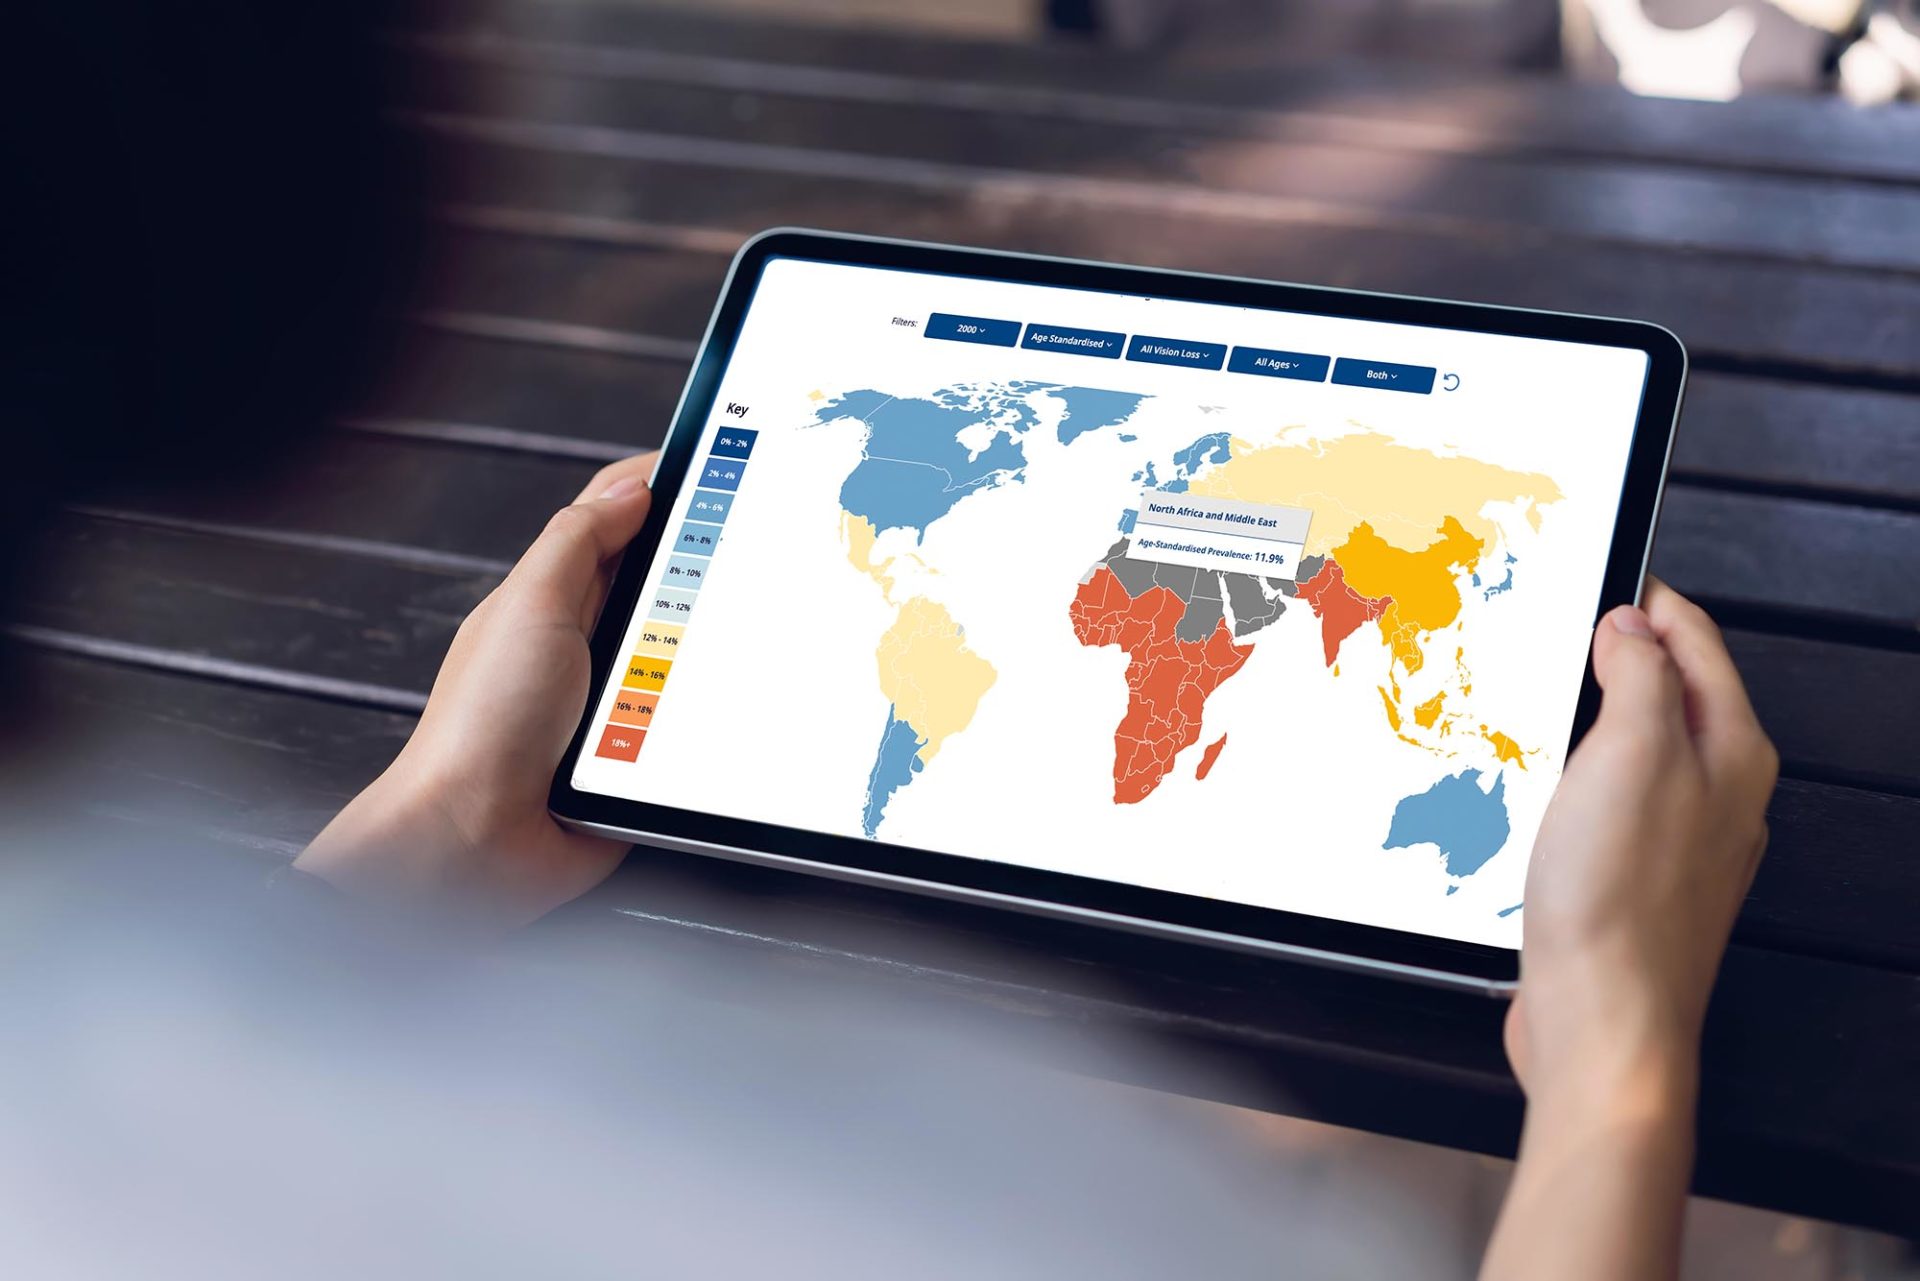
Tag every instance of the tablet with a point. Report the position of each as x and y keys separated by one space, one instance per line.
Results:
x=1248 y=613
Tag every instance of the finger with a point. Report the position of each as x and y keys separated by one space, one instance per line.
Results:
x=563 y=567
x=1641 y=687
x=635 y=465
x=596 y=596
x=1513 y=1034
x=1719 y=712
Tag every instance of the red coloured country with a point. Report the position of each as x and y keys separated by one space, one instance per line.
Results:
x=1339 y=608
x=1208 y=757
x=1168 y=679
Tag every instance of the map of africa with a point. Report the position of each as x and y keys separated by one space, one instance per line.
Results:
x=1400 y=539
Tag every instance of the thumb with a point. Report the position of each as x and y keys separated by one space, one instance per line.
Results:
x=564 y=563
x=1641 y=684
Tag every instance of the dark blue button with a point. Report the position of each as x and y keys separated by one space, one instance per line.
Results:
x=994 y=333
x=1078 y=342
x=1177 y=351
x=1280 y=364
x=1378 y=373
x=734 y=442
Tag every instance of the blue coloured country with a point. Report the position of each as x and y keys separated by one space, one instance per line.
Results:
x=894 y=766
x=1090 y=409
x=914 y=468
x=1214 y=447
x=1468 y=825
x=1504 y=585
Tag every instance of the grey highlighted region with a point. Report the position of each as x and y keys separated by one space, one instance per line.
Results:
x=1252 y=607
x=1257 y=602
x=1307 y=568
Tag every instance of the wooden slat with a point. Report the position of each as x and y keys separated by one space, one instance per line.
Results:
x=1419 y=109
x=1840 y=862
x=641 y=278
x=1821 y=560
x=1836 y=441
x=258 y=769
x=561 y=391
x=1836 y=710
x=412 y=501
x=308 y=612
x=1804 y=1106
x=1830 y=323
x=661 y=291
x=1490 y=198
x=303 y=616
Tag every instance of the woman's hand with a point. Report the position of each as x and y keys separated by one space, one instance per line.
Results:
x=458 y=825
x=1645 y=854
x=1641 y=865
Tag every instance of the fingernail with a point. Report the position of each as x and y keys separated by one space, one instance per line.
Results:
x=1631 y=620
x=620 y=488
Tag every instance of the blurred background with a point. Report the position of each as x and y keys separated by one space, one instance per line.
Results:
x=313 y=317
x=1866 y=50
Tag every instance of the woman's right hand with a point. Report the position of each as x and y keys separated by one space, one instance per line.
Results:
x=1644 y=857
x=1639 y=870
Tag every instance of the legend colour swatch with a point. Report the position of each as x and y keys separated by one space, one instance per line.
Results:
x=687 y=556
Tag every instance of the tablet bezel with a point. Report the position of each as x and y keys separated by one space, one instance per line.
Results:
x=1312 y=938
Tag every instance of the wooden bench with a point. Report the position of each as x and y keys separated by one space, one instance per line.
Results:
x=264 y=655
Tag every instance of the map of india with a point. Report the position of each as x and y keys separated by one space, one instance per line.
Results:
x=1391 y=550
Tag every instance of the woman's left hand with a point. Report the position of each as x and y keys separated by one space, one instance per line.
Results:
x=458 y=824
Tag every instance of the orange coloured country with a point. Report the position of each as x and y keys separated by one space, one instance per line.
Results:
x=1417 y=588
x=1208 y=757
x=1339 y=608
x=1168 y=679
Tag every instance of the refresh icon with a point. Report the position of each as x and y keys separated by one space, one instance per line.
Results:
x=1450 y=381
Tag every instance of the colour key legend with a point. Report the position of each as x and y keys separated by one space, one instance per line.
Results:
x=686 y=558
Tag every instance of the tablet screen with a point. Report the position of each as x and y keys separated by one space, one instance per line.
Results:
x=1274 y=608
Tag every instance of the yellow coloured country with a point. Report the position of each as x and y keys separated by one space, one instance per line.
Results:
x=860 y=538
x=1504 y=748
x=1421 y=584
x=933 y=680
x=1402 y=492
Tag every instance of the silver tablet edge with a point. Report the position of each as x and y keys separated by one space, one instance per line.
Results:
x=1039 y=907
x=1063 y=911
